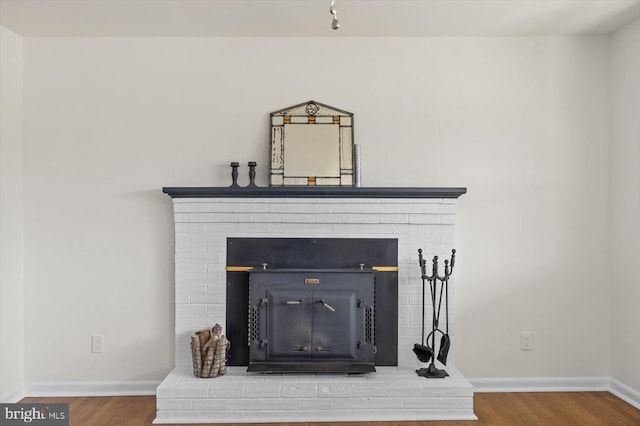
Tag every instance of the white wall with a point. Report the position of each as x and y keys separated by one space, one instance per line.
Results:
x=11 y=221
x=625 y=190
x=522 y=122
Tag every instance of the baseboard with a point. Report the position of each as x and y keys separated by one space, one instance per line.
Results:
x=624 y=392
x=12 y=397
x=480 y=385
x=541 y=384
x=129 y=388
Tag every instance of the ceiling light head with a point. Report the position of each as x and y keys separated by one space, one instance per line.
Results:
x=332 y=9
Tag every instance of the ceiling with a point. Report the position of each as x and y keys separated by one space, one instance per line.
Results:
x=311 y=18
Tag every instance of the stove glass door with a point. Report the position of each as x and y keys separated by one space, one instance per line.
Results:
x=305 y=325
x=335 y=324
x=289 y=324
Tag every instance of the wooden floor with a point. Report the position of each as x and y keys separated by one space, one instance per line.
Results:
x=517 y=409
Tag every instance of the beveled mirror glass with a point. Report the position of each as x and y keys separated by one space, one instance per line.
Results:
x=311 y=145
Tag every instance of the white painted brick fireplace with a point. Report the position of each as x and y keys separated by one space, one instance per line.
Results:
x=202 y=225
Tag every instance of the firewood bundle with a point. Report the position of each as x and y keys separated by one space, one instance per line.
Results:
x=209 y=351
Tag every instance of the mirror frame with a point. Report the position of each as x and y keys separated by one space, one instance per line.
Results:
x=312 y=113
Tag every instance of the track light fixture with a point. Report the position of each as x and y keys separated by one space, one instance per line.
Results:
x=332 y=9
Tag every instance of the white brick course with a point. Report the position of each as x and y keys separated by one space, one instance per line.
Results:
x=202 y=227
x=208 y=404
x=339 y=403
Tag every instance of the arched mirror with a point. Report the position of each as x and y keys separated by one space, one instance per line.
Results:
x=311 y=145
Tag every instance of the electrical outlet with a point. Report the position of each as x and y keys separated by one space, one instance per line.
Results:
x=526 y=341
x=97 y=344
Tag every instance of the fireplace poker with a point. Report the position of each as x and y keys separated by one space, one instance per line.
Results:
x=445 y=341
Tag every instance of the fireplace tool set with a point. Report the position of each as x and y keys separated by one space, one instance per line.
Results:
x=426 y=353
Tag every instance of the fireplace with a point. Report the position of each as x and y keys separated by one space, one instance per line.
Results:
x=312 y=304
x=306 y=321
x=212 y=270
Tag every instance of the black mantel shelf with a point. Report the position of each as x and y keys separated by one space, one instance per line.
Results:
x=312 y=192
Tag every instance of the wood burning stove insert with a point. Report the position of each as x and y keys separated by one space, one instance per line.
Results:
x=313 y=305
x=311 y=320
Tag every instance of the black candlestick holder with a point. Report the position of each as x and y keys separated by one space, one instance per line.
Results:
x=252 y=174
x=234 y=174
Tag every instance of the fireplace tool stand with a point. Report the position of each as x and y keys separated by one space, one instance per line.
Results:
x=437 y=285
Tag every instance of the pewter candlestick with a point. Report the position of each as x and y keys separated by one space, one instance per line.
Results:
x=252 y=174
x=234 y=174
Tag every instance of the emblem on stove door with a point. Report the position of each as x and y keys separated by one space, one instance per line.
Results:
x=312 y=280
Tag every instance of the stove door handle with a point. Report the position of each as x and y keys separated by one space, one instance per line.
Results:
x=326 y=305
x=294 y=302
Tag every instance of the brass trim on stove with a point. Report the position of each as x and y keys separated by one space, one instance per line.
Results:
x=385 y=268
x=239 y=268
